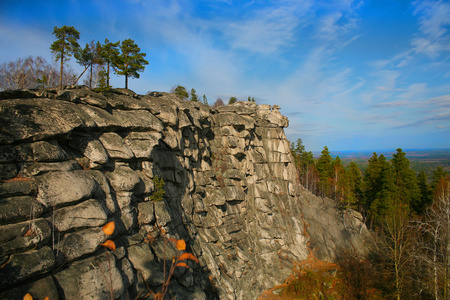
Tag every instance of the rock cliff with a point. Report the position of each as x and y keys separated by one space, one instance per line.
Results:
x=73 y=160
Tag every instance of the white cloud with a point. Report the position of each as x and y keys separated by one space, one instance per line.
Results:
x=395 y=103
x=433 y=17
x=268 y=29
x=441 y=101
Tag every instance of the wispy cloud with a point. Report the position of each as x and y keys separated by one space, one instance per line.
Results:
x=268 y=29
x=430 y=120
x=433 y=16
x=441 y=101
x=397 y=103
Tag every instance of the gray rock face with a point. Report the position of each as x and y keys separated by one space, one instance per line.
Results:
x=230 y=192
x=93 y=278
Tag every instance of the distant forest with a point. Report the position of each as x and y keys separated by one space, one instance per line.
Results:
x=420 y=160
x=408 y=211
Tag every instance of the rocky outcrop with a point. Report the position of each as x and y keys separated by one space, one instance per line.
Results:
x=73 y=160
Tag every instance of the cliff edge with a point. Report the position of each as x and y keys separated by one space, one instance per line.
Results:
x=73 y=160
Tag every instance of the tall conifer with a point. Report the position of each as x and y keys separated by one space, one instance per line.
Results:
x=109 y=53
x=65 y=46
x=130 y=61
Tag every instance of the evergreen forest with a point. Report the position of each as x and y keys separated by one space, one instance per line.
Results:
x=408 y=213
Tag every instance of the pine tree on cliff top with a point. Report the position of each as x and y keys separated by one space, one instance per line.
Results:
x=109 y=53
x=65 y=46
x=130 y=61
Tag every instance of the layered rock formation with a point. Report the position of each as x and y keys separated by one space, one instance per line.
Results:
x=73 y=160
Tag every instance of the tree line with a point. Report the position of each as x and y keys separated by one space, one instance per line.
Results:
x=123 y=57
x=409 y=216
x=183 y=94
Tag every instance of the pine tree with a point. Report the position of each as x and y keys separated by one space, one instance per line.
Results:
x=109 y=53
x=354 y=195
x=385 y=192
x=407 y=190
x=232 y=100
x=205 y=100
x=438 y=174
x=102 y=81
x=84 y=57
x=194 y=96
x=425 y=191
x=338 y=180
x=65 y=46
x=181 y=92
x=130 y=61
x=325 y=169
x=304 y=163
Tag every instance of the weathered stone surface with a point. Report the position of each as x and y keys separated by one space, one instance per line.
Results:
x=79 y=243
x=162 y=213
x=84 y=96
x=127 y=272
x=115 y=146
x=230 y=119
x=332 y=232
x=19 y=208
x=138 y=120
x=32 y=169
x=128 y=217
x=142 y=143
x=39 y=289
x=164 y=108
x=7 y=154
x=172 y=138
x=101 y=118
x=146 y=214
x=143 y=260
x=58 y=188
x=21 y=236
x=8 y=171
x=25 y=265
x=93 y=278
x=103 y=193
x=90 y=147
x=17 y=188
x=89 y=213
x=40 y=151
x=32 y=119
x=123 y=179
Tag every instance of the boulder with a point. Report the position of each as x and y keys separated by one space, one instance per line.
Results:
x=90 y=147
x=17 y=188
x=93 y=278
x=89 y=213
x=23 y=236
x=40 y=151
x=123 y=179
x=77 y=244
x=40 y=119
x=22 y=266
x=38 y=289
x=115 y=146
x=20 y=208
x=62 y=188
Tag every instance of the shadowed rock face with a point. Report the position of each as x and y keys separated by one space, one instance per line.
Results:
x=73 y=160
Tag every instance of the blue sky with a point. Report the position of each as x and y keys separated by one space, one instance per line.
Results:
x=351 y=75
